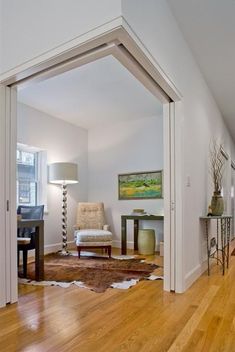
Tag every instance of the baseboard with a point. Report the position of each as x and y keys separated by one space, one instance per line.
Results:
x=50 y=248
x=117 y=244
x=194 y=274
x=130 y=245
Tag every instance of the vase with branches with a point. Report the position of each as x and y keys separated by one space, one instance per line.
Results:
x=217 y=171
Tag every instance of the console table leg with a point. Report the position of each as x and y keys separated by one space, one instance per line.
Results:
x=39 y=253
x=123 y=236
x=136 y=230
x=217 y=241
x=208 y=249
x=228 y=240
x=223 y=234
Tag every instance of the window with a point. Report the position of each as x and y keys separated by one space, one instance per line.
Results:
x=27 y=177
x=31 y=176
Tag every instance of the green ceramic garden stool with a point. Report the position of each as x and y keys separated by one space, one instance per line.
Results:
x=146 y=241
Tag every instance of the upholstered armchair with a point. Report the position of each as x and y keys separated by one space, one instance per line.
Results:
x=91 y=230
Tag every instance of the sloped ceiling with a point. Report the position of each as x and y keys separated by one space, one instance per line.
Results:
x=209 y=29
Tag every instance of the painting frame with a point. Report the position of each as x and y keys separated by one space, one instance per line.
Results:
x=122 y=195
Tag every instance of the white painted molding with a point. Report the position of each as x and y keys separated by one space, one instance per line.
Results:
x=179 y=218
x=194 y=274
x=116 y=31
x=159 y=75
x=132 y=65
x=51 y=248
x=12 y=197
x=3 y=300
x=83 y=59
x=167 y=197
x=61 y=53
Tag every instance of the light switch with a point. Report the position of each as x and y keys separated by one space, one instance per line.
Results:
x=188 y=181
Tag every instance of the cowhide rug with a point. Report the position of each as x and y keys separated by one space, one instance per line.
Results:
x=95 y=273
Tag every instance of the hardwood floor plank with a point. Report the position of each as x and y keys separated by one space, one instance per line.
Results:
x=191 y=325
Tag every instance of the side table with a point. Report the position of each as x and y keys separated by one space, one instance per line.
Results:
x=136 y=219
x=223 y=226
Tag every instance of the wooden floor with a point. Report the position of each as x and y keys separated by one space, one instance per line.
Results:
x=143 y=318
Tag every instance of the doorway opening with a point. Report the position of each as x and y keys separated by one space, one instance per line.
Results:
x=104 y=120
x=170 y=136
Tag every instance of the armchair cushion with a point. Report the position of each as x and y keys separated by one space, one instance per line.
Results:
x=91 y=235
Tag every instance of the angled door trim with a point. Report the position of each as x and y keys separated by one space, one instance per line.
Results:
x=116 y=31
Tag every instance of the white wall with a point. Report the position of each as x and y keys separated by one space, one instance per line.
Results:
x=33 y=27
x=125 y=147
x=202 y=119
x=62 y=142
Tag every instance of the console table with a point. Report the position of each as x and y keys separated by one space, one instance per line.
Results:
x=223 y=226
x=136 y=219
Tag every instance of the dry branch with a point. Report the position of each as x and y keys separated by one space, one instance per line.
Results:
x=217 y=166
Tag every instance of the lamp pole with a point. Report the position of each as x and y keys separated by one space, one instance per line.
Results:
x=64 y=250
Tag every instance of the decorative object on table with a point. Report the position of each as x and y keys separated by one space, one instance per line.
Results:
x=94 y=273
x=140 y=185
x=138 y=212
x=217 y=169
x=146 y=242
x=63 y=174
x=91 y=228
x=209 y=211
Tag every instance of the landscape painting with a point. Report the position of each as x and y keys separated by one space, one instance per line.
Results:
x=140 y=185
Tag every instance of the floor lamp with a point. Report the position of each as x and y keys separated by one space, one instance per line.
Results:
x=63 y=174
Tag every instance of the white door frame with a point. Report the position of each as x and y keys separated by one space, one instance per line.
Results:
x=117 y=39
x=3 y=256
x=8 y=250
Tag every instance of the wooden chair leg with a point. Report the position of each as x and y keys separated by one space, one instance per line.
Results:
x=109 y=251
x=79 y=252
x=18 y=258
x=25 y=259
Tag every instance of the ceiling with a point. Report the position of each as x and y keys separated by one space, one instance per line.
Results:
x=209 y=29
x=101 y=92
